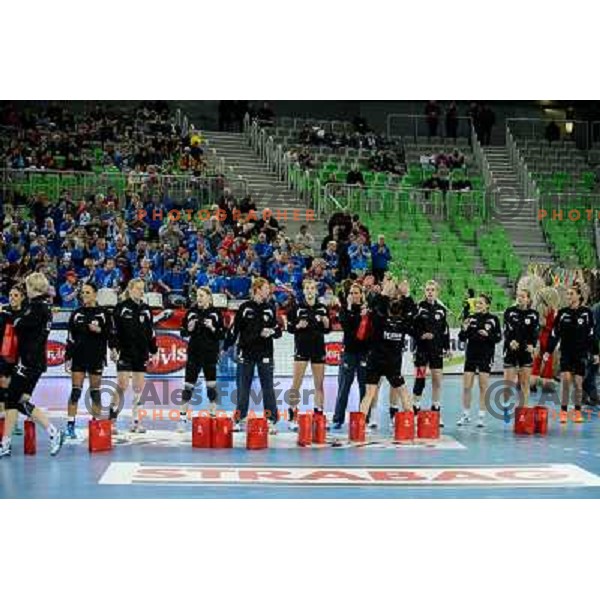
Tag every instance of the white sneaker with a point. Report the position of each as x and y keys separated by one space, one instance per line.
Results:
x=293 y=425
x=137 y=428
x=480 y=421
x=182 y=425
x=238 y=426
x=272 y=428
x=56 y=443
x=464 y=420
x=5 y=450
x=113 y=427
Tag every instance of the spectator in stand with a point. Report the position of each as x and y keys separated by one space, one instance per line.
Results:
x=264 y=251
x=359 y=228
x=436 y=182
x=452 y=121
x=432 y=117
x=269 y=226
x=456 y=160
x=224 y=265
x=247 y=204
x=238 y=287
x=174 y=282
x=146 y=274
x=355 y=177
x=69 y=291
x=305 y=242
x=552 y=132
x=341 y=220
x=253 y=262
x=318 y=272
x=266 y=116
x=214 y=234
x=305 y=159
x=487 y=119
x=109 y=276
x=359 y=255
x=380 y=258
x=332 y=259
x=217 y=283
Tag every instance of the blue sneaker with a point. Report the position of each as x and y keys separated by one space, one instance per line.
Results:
x=18 y=430
x=70 y=433
x=337 y=426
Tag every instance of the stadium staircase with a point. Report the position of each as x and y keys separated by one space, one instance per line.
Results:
x=263 y=185
x=515 y=213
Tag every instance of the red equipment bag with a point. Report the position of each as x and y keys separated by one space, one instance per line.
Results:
x=257 y=434
x=319 y=423
x=29 y=445
x=428 y=424
x=100 y=435
x=524 y=420
x=404 y=426
x=305 y=429
x=222 y=432
x=364 y=328
x=541 y=419
x=9 y=350
x=202 y=432
x=358 y=425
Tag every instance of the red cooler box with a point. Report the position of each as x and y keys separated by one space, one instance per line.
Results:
x=428 y=424
x=524 y=420
x=305 y=429
x=257 y=434
x=29 y=444
x=357 y=428
x=202 y=432
x=404 y=426
x=222 y=432
x=99 y=435
x=541 y=419
x=319 y=422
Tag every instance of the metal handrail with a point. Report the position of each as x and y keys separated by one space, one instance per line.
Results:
x=435 y=203
x=535 y=128
x=464 y=126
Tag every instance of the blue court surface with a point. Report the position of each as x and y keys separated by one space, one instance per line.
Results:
x=465 y=463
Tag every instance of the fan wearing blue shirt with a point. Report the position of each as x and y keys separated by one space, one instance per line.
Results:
x=381 y=257
x=238 y=287
x=68 y=291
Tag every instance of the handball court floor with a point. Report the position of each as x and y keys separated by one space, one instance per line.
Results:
x=465 y=463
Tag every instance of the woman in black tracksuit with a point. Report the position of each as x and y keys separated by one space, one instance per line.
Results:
x=203 y=324
x=16 y=297
x=432 y=343
x=308 y=322
x=481 y=332
x=254 y=328
x=90 y=332
x=32 y=326
x=574 y=330
x=134 y=343
x=354 y=359
x=392 y=315
x=521 y=330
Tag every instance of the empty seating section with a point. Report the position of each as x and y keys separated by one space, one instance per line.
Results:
x=565 y=181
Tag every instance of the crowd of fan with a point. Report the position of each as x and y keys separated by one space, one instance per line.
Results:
x=54 y=138
x=104 y=240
